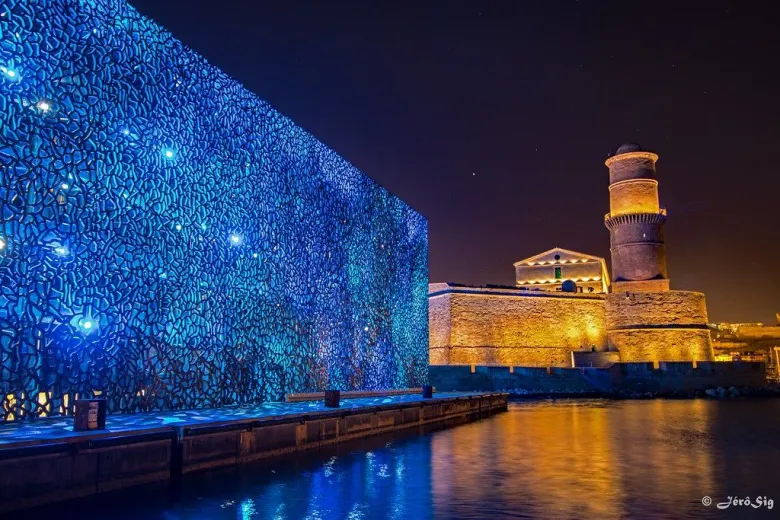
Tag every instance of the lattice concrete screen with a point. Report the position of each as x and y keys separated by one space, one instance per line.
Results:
x=168 y=240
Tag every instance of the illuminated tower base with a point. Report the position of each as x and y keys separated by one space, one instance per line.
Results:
x=645 y=320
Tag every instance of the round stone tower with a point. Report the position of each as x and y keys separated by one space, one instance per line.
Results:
x=635 y=222
x=645 y=320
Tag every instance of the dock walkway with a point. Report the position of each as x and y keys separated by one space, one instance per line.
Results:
x=45 y=461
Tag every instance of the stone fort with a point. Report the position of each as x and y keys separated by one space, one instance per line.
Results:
x=565 y=308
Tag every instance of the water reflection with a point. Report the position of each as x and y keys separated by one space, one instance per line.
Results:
x=578 y=459
x=565 y=459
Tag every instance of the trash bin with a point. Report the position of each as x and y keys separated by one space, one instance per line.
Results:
x=90 y=414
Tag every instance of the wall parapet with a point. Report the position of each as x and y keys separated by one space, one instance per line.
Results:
x=439 y=289
x=684 y=376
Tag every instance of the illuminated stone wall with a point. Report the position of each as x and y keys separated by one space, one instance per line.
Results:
x=635 y=221
x=658 y=326
x=641 y=319
x=512 y=327
x=169 y=240
x=666 y=308
x=634 y=196
x=662 y=344
x=439 y=326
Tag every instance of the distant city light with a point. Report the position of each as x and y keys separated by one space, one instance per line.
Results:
x=11 y=73
x=2 y=243
x=65 y=186
x=43 y=105
x=169 y=153
x=62 y=251
x=254 y=255
x=125 y=131
x=178 y=227
x=235 y=239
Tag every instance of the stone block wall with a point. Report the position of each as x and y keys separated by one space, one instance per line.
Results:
x=515 y=327
x=594 y=359
x=512 y=327
x=662 y=344
x=658 y=326
x=439 y=327
x=637 y=309
x=634 y=196
x=636 y=165
x=619 y=377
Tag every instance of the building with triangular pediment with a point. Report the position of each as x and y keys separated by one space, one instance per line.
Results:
x=547 y=271
x=565 y=309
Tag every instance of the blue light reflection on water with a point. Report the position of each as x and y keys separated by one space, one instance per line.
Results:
x=543 y=459
x=390 y=480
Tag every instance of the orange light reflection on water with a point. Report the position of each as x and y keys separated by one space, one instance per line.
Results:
x=575 y=459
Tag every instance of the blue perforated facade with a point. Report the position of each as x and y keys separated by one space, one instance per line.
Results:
x=168 y=240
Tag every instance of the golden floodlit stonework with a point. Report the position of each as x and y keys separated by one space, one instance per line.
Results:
x=548 y=316
x=510 y=326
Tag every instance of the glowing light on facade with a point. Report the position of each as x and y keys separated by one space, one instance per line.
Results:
x=226 y=317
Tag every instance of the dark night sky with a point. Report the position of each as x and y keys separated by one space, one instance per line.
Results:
x=494 y=118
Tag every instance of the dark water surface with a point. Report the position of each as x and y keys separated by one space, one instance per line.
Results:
x=542 y=459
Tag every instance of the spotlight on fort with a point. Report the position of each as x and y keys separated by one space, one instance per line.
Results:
x=565 y=302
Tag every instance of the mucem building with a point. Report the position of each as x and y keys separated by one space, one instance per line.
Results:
x=168 y=240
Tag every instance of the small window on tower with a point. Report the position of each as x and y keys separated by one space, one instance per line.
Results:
x=558 y=274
